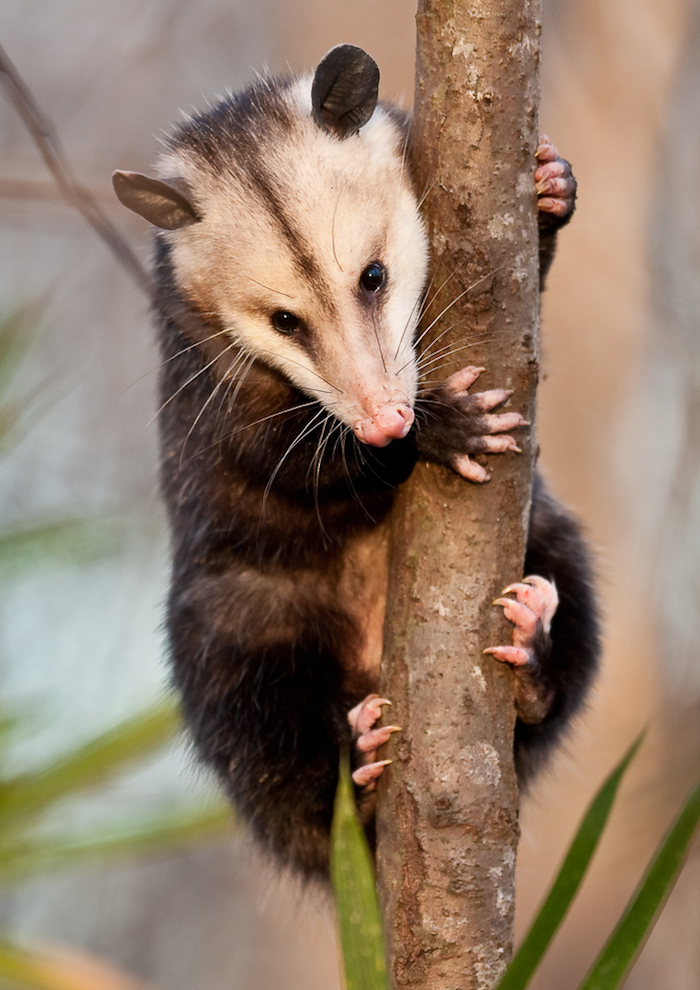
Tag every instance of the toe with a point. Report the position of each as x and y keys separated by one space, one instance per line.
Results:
x=363 y=716
x=462 y=380
x=500 y=444
x=516 y=656
x=470 y=469
x=549 y=598
x=372 y=740
x=500 y=422
x=524 y=620
x=548 y=204
x=546 y=151
x=369 y=773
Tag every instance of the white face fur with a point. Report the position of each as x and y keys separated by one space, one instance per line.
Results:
x=297 y=243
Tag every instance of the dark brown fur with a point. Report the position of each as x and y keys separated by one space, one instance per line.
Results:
x=266 y=634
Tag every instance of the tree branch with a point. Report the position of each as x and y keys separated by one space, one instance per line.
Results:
x=46 y=140
x=447 y=822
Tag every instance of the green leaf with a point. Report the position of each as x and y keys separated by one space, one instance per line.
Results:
x=159 y=835
x=91 y=764
x=17 y=331
x=626 y=941
x=60 y=969
x=568 y=880
x=352 y=872
x=69 y=541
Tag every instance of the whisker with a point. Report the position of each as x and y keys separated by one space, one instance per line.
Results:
x=304 y=432
x=239 y=384
x=426 y=193
x=334 y=387
x=189 y=382
x=198 y=417
x=264 y=419
x=257 y=422
x=429 y=302
x=335 y=211
x=263 y=286
x=456 y=300
x=162 y=364
x=418 y=305
x=443 y=357
x=425 y=305
x=436 y=340
x=239 y=362
x=317 y=458
x=404 y=150
x=379 y=345
x=429 y=356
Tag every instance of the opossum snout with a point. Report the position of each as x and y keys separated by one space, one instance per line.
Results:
x=389 y=422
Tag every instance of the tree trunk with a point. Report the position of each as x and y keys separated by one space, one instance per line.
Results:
x=448 y=807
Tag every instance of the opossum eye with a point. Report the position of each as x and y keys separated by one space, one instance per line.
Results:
x=373 y=277
x=285 y=322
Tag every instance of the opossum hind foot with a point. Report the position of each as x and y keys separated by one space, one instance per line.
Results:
x=367 y=740
x=531 y=612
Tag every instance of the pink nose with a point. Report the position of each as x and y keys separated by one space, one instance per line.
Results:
x=390 y=422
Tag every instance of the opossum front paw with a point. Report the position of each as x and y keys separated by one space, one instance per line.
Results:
x=465 y=426
x=554 y=182
x=531 y=612
x=367 y=740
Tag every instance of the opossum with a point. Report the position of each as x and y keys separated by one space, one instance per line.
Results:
x=291 y=264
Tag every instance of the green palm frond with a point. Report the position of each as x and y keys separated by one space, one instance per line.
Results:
x=96 y=762
x=31 y=549
x=568 y=880
x=613 y=963
x=359 y=918
x=162 y=833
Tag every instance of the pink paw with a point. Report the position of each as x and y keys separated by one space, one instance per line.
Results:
x=481 y=405
x=367 y=739
x=554 y=181
x=533 y=607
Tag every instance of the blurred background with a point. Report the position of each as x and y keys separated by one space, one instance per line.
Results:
x=619 y=430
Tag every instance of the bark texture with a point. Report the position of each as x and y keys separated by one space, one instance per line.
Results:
x=448 y=808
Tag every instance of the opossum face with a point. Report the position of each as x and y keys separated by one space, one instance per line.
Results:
x=301 y=235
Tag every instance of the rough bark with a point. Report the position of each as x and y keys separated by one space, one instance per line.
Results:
x=448 y=808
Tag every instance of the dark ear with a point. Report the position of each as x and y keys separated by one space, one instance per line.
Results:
x=157 y=201
x=344 y=90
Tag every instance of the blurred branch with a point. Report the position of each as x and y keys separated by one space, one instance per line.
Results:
x=45 y=138
x=45 y=189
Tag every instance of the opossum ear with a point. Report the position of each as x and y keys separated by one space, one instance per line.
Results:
x=344 y=90
x=159 y=202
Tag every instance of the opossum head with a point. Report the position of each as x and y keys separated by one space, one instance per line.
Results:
x=293 y=222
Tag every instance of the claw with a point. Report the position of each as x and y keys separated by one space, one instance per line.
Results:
x=514 y=655
x=471 y=470
x=494 y=397
x=499 y=445
x=363 y=716
x=522 y=617
x=559 y=207
x=375 y=738
x=462 y=380
x=369 y=773
x=546 y=151
x=499 y=422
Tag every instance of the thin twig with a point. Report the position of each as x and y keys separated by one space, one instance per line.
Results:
x=45 y=138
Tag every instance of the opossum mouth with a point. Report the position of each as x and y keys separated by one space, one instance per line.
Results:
x=389 y=422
